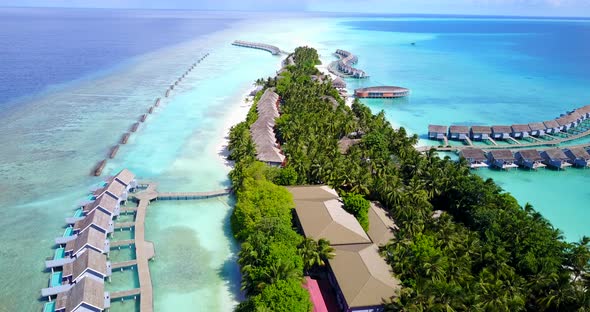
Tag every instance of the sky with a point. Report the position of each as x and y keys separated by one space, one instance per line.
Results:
x=474 y=7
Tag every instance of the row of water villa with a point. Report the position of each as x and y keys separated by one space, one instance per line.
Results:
x=569 y=126
x=81 y=263
x=99 y=167
x=344 y=66
x=505 y=159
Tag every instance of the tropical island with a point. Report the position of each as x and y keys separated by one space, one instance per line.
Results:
x=459 y=242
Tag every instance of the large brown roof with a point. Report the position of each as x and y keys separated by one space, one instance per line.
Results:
x=537 y=126
x=475 y=154
x=97 y=218
x=531 y=154
x=321 y=215
x=125 y=176
x=381 y=226
x=550 y=124
x=502 y=155
x=459 y=129
x=563 y=120
x=521 y=128
x=556 y=154
x=364 y=277
x=345 y=144
x=115 y=187
x=584 y=109
x=481 y=129
x=579 y=152
x=437 y=129
x=90 y=237
x=88 y=291
x=105 y=201
x=90 y=259
x=501 y=129
x=393 y=89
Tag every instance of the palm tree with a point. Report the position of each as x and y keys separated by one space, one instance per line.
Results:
x=315 y=253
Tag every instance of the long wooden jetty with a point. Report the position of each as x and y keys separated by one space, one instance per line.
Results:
x=192 y=195
x=132 y=293
x=260 y=46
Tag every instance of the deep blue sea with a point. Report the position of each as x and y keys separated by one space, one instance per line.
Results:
x=46 y=47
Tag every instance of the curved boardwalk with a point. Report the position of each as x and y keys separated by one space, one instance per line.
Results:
x=343 y=67
x=256 y=45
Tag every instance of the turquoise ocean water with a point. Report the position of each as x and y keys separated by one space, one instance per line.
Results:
x=52 y=138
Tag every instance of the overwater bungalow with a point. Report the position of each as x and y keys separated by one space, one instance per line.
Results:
x=90 y=263
x=555 y=158
x=566 y=122
x=584 y=111
x=97 y=219
x=436 y=132
x=578 y=156
x=114 y=188
x=127 y=178
x=551 y=127
x=88 y=295
x=520 y=131
x=89 y=239
x=501 y=132
x=577 y=117
x=458 y=133
x=537 y=129
x=475 y=156
x=530 y=159
x=502 y=159
x=107 y=203
x=362 y=278
x=480 y=133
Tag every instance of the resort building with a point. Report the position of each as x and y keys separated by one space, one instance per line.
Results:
x=530 y=159
x=501 y=132
x=91 y=264
x=502 y=159
x=381 y=226
x=89 y=239
x=480 y=133
x=320 y=215
x=360 y=277
x=107 y=203
x=381 y=92
x=262 y=131
x=578 y=156
x=520 y=131
x=551 y=127
x=566 y=122
x=436 y=132
x=338 y=83
x=345 y=63
x=584 y=111
x=537 y=129
x=98 y=220
x=87 y=295
x=458 y=133
x=555 y=158
x=475 y=156
x=345 y=144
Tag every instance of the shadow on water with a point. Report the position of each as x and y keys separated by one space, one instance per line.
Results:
x=230 y=270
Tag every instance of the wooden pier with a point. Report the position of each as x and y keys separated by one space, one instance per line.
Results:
x=122 y=243
x=192 y=195
x=124 y=225
x=124 y=264
x=132 y=293
x=260 y=46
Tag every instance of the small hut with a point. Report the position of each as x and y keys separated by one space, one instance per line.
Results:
x=537 y=129
x=502 y=159
x=436 y=132
x=97 y=219
x=551 y=127
x=90 y=239
x=565 y=122
x=345 y=144
x=106 y=202
x=86 y=295
x=475 y=156
x=90 y=263
x=338 y=83
x=501 y=132
x=578 y=156
x=530 y=159
x=480 y=133
x=458 y=133
x=520 y=131
x=555 y=158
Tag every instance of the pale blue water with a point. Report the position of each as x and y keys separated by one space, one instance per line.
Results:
x=51 y=138
x=484 y=71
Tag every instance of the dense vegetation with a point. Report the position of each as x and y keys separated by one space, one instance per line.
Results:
x=463 y=244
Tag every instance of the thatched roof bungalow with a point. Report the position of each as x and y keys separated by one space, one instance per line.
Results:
x=437 y=132
x=501 y=132
x=530 y=159
x=479 y=133
x=90 y=263
x=578 y=156
x=555 y=158
x=502 y=159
